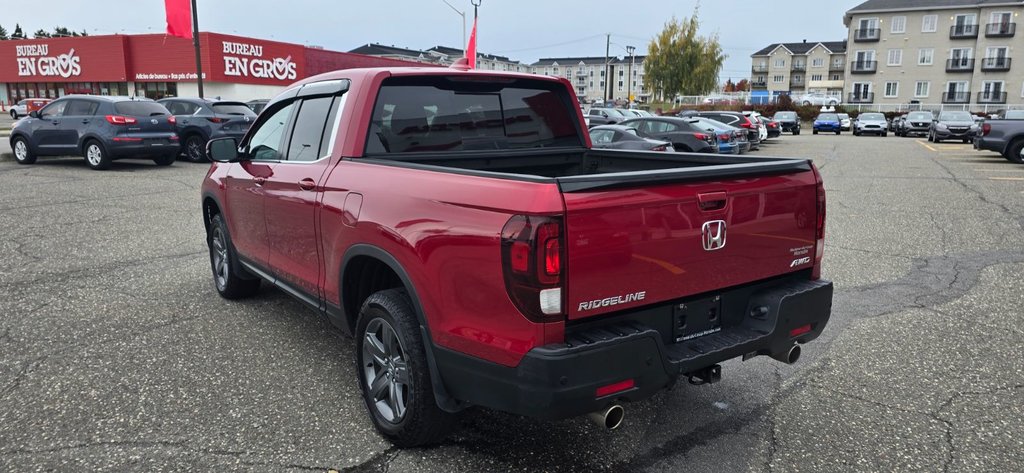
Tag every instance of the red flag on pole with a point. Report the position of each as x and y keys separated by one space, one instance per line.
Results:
x=471 y=47
x=179 y=18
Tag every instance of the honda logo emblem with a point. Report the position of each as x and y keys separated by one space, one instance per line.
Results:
x=713 y=235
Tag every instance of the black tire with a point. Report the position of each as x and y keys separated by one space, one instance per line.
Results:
x=195 y=149
x=967 y=141
x=96 y=155
x=228 y=282
x=885 y=134
x=815 y=132
x=22 y=152
x=681 y=148
x=856 y=133
x=14 y=114
x=422 y=422
x=1013 y=152
x=796 y=132
x=838 y=132
x=165 y=160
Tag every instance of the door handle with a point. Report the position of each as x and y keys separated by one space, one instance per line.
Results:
x=307 y=184
x=259 y=180
x=85 y=121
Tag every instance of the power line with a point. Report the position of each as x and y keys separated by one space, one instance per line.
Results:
x=580 y=40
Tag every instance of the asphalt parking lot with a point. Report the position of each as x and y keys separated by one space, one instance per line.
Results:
x=117 y=354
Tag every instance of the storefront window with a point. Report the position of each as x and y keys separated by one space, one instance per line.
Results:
x=157 y=90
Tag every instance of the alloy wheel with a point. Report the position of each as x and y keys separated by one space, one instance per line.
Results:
x=385 y=370
x=219 y=254
x=20 y=150
x=94 y=154
x=194 y=148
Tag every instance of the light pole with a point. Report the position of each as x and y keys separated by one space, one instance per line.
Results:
x=463 y=15
x=629 y=77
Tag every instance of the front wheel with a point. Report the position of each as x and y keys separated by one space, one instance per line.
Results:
x=22 y=153
x=14 y=114
x=229 y=283
x=796 y=132
x=391 y=365
x=195 y=149
x=838 y=132
x=165 y=160
x=885 y=134
x=95 y=155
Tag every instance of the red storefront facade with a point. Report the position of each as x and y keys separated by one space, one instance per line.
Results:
x=234 y=67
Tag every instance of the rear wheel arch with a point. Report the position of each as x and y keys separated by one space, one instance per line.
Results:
x=385 y=272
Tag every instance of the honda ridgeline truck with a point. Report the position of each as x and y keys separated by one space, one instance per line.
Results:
x=460 y=226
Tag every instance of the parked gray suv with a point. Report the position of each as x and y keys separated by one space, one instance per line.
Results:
x=953 y=126
x=100 y=129
x=201 y=120
x=916 y=123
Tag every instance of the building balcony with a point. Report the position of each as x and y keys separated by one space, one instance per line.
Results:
x=759 y=85
x=581 y=74
x=797 y=85
x=1000 y=30
x=862 y=97
x=956 y=97
x=759 y=68
x=867 y=35
x=863 y=67
x=837 y=67
x=960 y=65
x=991 y=97
x=995 y=64
x=963 y=31
x=799 y=67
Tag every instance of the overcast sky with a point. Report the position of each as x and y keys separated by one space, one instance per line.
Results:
x=523 y=30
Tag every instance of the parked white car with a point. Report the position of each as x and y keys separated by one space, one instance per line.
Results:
x=762 y=130
x=20 y=109
x=817 y=99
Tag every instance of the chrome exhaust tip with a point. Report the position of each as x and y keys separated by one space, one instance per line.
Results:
x=609 y=418
x=790 y=356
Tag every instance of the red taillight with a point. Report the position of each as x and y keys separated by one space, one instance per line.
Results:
x=800 y=330
x=532 y=258
x=615 y=388
x=660 y=148
x=986 y=128
x=747 y=123
x=171 y=119
x=216 y=119
x=724 y=137
x=120 y=120
x=819 y=227
x=127 y=139
x=701 y=136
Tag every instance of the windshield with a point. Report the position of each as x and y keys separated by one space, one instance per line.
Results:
x=920 y=116
x=233 y=109
x=785 y=115
x=140 y=109
x=828 y=117
x=956 y=116
x=431 y=114
x=844 y=116
x=872 y=116
x=1014 y=115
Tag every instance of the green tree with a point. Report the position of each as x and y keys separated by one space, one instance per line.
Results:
x=62 y=32
x=680 y=61
x=41 y=33
x=17 y=34
x=3 y=34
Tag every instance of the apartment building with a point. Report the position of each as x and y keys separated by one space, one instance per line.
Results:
x=798 y=68
x=934 y=52
x=587 y=75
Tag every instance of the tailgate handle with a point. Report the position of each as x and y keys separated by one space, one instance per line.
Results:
x=711 y=201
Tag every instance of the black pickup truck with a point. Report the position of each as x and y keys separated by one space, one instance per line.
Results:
x=1004 y=135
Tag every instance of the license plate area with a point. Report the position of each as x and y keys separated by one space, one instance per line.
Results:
x=697 y=318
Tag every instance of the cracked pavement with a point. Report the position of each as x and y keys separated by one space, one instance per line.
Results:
x=116 y=353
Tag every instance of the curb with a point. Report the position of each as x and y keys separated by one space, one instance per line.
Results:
x=6 y=157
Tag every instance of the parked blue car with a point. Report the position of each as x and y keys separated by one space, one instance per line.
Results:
x=828 y=122
x=98 y=128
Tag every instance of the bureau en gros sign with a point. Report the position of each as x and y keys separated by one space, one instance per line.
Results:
x=35 y=60
x=246 y=60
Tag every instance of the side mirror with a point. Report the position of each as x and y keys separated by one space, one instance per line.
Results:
x=34 y=114
x=223 y=150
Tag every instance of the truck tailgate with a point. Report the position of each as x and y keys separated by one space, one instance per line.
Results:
x=640 y=244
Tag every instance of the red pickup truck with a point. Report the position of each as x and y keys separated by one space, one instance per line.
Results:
x=460 y=226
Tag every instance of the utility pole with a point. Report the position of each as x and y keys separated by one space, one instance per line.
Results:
x=629 y=77
x=195 y=42
x=607 y=49
x=463 y=15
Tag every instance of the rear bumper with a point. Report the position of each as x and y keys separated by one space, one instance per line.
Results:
x=984 y=143
x=146 y=149
x=561 y=380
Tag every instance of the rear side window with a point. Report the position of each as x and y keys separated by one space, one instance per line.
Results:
x=80 y=108
x=140 y=109
x=435 y=114
x=602 y=136
x=313 y=121
x=233 y=109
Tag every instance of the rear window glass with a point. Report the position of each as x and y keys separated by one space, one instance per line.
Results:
x=233 y=109
x=1014 y=114
x=446 y=114
x=140 y=109
x=785 y=115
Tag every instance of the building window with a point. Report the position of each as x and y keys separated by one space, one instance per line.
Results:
x=925 y=56
x=921 y=88
x=780 y=63
x=895 y=57
x=837 y=77
x=965 y=19
x=892 y=89
x=929 y=23
x=899 y=24
x=816 y=77
x=778 y=79
x=817 y=62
